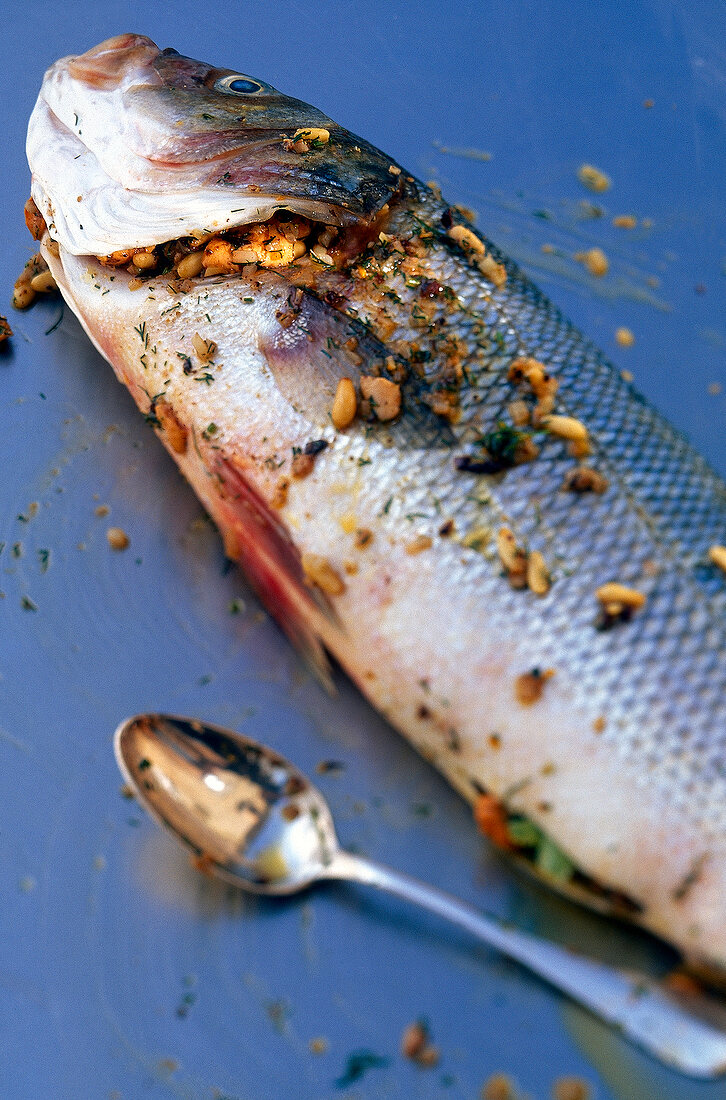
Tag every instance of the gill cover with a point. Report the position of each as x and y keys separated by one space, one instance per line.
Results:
x=130 y=146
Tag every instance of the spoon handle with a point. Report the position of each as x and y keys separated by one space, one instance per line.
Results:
x=633 y=1003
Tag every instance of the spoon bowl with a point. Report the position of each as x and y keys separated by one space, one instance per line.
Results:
x=247 y=814
x=250 y=817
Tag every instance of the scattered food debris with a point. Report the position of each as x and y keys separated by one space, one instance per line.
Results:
x=383 y=396
x=529 y=686
x=499 y=1087
x=715 y=388
x=320 y=572
x=357 y=1065
x=583 y=479
x=595 y=260
x=319 y=1045
x=717 y=555
x=345 y=405
x=625 y=221
x=35 y=278
x=5 y=330
x=618 y=602
x=624 y=337
x=570 y=1088
x=416 y=1046
x=491 y=819
x=682 y=983
x=419 y=544
x=312 y=135
x=457 y=151
x=592 y=178
x=329 y=767
x=117 y=538
x=512 y=557
x=538 y=575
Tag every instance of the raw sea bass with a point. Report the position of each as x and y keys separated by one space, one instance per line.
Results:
x=396 y=434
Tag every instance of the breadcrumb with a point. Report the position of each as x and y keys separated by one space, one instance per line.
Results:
x=717 y=555
x=529 y=686
x=592 y=178
x=595 y=260
x=117 y=538
x=320 y=572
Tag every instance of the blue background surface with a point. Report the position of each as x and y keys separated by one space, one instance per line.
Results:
x=123 y=975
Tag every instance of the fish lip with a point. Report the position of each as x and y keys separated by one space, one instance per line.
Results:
x=105 y=66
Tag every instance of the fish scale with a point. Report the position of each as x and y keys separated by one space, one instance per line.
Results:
x=622 y=757
x=669 y=482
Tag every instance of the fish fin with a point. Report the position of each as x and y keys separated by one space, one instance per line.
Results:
x=255 y=538
x=317 y=344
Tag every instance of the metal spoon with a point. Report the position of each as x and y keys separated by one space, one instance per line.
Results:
x=253 y=819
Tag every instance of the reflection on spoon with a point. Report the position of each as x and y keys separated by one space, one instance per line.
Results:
x=254 y=820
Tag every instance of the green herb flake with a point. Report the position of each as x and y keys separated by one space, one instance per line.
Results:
x=44 y=559
x=552 y=861
x=27 y=604
x=357 y=1065
x=523 y=833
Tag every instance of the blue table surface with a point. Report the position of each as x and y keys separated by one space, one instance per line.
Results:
x=123 y=974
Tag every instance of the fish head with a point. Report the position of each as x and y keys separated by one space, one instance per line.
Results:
x=131 y=145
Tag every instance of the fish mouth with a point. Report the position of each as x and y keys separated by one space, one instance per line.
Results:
x=160 y=145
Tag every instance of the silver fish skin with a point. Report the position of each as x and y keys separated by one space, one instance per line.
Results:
x=620 y=758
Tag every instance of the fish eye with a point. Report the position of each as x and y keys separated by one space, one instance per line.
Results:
x=239 y=85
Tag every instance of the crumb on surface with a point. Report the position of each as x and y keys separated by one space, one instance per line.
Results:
x=491 y=819
x=499 y=1087
x=117 y=538
x=570 y=1088
x=584 y=479
x=383 y=395
x=345 y=405
x=594 y=260
x=717 y=555
x=593 y=178
x=416 y=1046
x=320 y=572
x=418 y=544
x=529 y=686
x=624 y=337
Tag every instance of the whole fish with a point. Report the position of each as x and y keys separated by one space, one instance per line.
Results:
x=423 y=468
